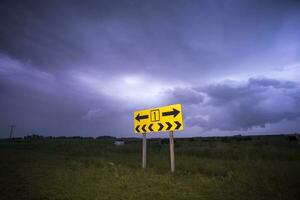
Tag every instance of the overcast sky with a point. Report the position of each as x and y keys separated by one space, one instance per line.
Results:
x=83 y=67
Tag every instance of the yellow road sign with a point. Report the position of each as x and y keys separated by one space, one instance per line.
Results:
x=167 y=118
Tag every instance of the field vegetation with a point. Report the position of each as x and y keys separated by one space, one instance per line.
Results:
x=210 y=168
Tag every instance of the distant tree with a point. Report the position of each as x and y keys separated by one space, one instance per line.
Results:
x=75 y=137
x=61 y=137
x=105 y=138
x=33 y=137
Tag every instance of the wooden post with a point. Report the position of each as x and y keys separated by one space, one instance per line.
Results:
x=172 y=154
x=144 y=151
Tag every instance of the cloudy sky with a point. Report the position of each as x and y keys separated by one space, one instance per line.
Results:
x=83 y=67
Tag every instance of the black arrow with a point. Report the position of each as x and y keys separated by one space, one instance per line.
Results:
x=137 y=128
x=143 y=128
x=174 y=112
x=139 y=117
x=169 y=125
x=150 y=127
x=178 y=124
x=160 y=126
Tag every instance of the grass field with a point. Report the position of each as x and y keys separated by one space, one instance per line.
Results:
x=96 y=169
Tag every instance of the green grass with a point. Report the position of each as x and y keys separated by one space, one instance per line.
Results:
x=95 y=169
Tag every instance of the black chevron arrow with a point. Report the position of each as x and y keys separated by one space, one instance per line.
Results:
x=174 y=112
x=169 y=125
x=137 y=128
x=150 y=127
x=178 y=124
x=160 y=126
x=143 y=128
x=139 y=117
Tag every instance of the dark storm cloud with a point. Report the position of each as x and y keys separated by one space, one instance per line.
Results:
x=160 y=37
x=39 y=102
x=242 y=106
x=186 y=96
x=83 y=67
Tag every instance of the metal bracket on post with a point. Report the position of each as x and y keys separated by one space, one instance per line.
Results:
x=172 y=154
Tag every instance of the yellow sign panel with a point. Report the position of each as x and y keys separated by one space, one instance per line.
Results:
x=167 y=118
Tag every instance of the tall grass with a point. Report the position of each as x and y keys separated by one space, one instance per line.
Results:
x=95 y=169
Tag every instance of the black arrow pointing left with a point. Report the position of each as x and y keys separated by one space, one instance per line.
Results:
x=139 y=117
x=137 y=128
x=143 y=128
x=150 y=127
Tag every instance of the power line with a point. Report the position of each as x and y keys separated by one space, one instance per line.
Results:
x=11 y=131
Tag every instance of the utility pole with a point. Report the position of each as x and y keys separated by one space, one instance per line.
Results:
x=11 y=131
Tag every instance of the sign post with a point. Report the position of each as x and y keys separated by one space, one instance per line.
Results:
x=166 y=118
x=144 y=151
x=172 y=154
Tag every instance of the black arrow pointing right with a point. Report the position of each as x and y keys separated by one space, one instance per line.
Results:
x=174 y=112
x=169 y=125
x=178 y=125
x=160 y=126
